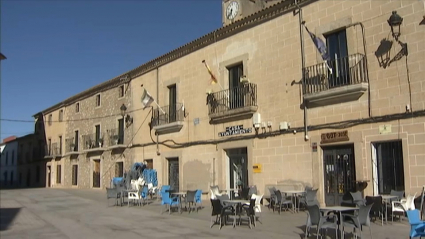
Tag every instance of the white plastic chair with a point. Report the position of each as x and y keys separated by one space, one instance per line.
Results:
x=403 y=205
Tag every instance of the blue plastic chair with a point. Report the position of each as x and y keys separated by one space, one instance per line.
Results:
x=144 y=193
x=417 y=227
x=170 y=201
x=198 y=199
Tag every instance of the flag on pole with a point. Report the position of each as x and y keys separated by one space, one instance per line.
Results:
x=321 y=47
x=213 y=78
x=147 y=99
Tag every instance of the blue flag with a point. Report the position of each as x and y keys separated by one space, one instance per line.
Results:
x=320 y=45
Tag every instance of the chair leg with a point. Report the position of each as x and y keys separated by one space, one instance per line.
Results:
x=370 y=230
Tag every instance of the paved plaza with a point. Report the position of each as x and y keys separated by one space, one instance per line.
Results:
x=75 y=213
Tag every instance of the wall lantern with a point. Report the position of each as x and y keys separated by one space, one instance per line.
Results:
x=395 y=22
x=128 y=119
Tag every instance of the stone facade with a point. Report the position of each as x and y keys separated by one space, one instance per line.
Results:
x=382 y=105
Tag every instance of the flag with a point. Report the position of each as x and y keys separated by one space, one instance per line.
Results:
x=147 y=99
x=320 y=45
x=213 y=78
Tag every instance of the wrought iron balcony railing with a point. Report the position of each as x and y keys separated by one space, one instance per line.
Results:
x=55 y=149
x=71 y=145
x=340 y=72
x=115 y=137
x=90 y=141
x=168 y=114
x=232 y=99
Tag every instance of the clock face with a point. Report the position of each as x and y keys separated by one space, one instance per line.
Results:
x=232 y=10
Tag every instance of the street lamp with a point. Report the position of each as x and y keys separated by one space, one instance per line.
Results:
x=395 y=22
x=123 y=109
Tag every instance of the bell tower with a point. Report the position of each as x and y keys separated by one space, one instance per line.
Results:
x=234 y=10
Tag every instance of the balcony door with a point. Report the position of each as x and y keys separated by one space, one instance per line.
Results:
x=76 y=135
x=97 y=135
x=236 y=99
x=338 y=52
x=172 y=102
x=121 y=131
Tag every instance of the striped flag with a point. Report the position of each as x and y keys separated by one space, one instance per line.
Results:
x=320 y=45
x=147 y=99
x=213 y=78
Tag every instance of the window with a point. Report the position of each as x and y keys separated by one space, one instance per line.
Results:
x=58 y=174
x=120 y=131
x=338 y=53
x=121 y=91
x=76 y=135
x=13 y=157
x=7 y=158
x=60 y=115
x=149 y=163
x=97 y=100
x=74 y=174
x=77 y=107
x=49 y=146
x=389 y=166
x=236 y=97
x=97 y=135
x=60 y=145
x=50 y=120
x=119 y=169
x=172 y=101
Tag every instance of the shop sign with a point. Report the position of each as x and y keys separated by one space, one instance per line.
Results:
x=235 y=130
x=334 y=137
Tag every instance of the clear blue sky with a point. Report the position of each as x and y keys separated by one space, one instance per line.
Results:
x=56 y=49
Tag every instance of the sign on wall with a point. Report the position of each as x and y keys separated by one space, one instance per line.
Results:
x=235 y=130
x=334 y=137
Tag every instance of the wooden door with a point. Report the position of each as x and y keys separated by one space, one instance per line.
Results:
x=96 y=173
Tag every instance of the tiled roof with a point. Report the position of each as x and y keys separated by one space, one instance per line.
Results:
x=250 y=21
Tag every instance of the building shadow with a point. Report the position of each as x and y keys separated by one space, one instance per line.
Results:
x=7 y=215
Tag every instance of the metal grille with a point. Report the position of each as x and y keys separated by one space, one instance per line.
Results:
x=74 y=174
x=339 y=172
x=173 y=174
x=390 y=166
x=235 y=98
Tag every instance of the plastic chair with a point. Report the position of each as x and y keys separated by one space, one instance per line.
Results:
x=198 y=199
x=358 y=221
x=315 y=218
x=170 y=201
x=402 y=206
x=417 y=227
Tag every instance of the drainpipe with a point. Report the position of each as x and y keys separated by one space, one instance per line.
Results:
x=157 y=101
x=365 y=59
x=301 y=22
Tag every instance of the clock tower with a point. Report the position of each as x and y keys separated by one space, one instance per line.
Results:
x=234 y=10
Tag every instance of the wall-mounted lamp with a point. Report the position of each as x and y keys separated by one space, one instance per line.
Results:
x=395 y=22
x=127 y=118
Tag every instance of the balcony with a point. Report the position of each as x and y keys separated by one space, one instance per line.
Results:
x=56 y=150
x=116 y=139
x=233 y=104
x=168 y=119
x=71 y=146
x=341 y=80
x=91 y=143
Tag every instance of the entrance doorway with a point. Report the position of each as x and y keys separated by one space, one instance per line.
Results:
x=96 y=173
x=339 y=173
x=173 y=174
x=49 y=176
x=237 y=170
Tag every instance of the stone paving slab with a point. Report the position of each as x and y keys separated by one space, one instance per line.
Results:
x=75 y=213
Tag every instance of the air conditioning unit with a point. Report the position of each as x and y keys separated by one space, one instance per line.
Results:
x=256 y=120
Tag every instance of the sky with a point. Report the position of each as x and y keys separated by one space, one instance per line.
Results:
x=58 y=48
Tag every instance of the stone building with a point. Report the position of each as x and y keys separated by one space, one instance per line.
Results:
x=356 y=118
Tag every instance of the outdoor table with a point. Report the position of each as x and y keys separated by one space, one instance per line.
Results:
x=339 y=209
x=235 y=202
x=294 y=195
x=180 y=194
x=387 y=200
